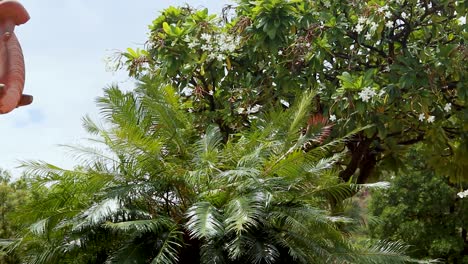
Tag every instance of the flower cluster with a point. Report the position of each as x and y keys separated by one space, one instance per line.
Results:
x=463 y=194
x=372 y=25
x=217 y=45
x=362 y=22
x=428 y=118
x=250 y=110
x=366 y=94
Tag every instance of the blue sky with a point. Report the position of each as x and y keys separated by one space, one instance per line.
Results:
x=64 y=45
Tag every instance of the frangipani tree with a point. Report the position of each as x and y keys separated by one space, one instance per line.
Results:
x=399 y=65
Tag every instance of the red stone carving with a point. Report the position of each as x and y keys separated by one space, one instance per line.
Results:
x=12 y=73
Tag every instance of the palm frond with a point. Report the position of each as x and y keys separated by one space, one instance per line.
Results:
x=165 y=113
x=90 y=126
x=238 y=174
x=204 y=221
x=375 y=185
x=245 y=212
x=168 y=251
x=41 y=168
x=325 y=149
x=212 y=252
x=129 y=253
x=87 y=156
x=207 y=147
x=97 y=213
x=379 y=252
x=50 y=254
x=262 y=252
x=118 y=107
x=140 y=226
x=39 y=227
x=335 y=193
x=300 y=112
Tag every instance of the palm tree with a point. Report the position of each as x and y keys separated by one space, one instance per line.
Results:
x=163 y=188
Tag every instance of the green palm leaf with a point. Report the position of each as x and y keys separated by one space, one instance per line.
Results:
x=204 y=221
x=245 y=212
x=141 y=226
x=169 y=249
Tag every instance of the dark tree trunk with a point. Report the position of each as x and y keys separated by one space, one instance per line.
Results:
x=362 y=157
x=191 y=252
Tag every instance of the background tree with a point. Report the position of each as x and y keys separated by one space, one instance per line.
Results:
x=12 y=196
x=423 y=210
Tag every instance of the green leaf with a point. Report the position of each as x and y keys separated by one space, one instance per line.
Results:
x=167 y=28
x=204 y=221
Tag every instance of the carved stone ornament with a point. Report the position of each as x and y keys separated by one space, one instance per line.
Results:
x=12 y=73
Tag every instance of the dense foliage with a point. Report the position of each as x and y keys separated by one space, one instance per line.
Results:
x=248 y=134
x=163 y=193
x=12 y=195
x=399 y=65
x=423 y=210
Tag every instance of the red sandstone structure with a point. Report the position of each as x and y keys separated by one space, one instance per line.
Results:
x=12 y=72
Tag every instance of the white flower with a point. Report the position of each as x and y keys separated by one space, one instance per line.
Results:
x=333 y=118
x=448 y=107
x=382 y=8
x=220 y=57
x=368 y=36
x=192 y=45
x=366 y=94
x=212 y=56
x=364 y=97
x=284 y=102
x=210 y=92
x=373 y=26
x=240 y=110
x=273 y=84
x=231 y=47
x=254 y=109
x=187 y=91
x=362 y=20
x=206 y=47
x=307 y=45
x=359 y=28
x=422 y=117
x=388 y=14
x=389 y=24
x=206 y=37
x=462 y=20
x=463 y=194
x=431 y=119
x=382 y=92
x=280 y=52
x=404 y=15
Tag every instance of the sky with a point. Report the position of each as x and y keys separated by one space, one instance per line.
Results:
x=64 y=45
